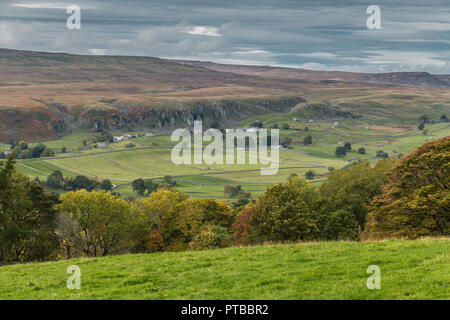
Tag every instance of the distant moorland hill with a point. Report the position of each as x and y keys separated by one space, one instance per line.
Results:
x=47 y=95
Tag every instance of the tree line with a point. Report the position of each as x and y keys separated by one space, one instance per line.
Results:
x=406 y=198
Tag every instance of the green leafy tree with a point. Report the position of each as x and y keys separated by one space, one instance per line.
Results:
x=310 y=174
x=348 y=146
x=307 y=140
x=340 y=225
x=340 y=151
x=232 y=191
x=106 y=185
x=83 y=182
x=424 y=119
x=287 y=212
x=47 y=153
x=55 y=180
x=27 y=218
x=23 y=145
x=257 y=124
x=351 y=190
x=139 y=186
x=26 y=154
x=382 y=154
x=169 y=180
x=38 y=150
x=421 y=126
x=286 y=142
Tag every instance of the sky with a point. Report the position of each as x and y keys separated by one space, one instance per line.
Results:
x=308 y=34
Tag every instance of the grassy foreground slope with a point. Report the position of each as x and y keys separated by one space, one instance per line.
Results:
x=333 y=270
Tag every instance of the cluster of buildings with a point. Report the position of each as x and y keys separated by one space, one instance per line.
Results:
x=124 y=137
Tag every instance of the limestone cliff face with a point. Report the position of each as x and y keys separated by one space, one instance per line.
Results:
x=226 y=112
x=58 y=119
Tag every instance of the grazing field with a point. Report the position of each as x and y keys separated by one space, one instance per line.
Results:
x=151 y=157
x=325 y=270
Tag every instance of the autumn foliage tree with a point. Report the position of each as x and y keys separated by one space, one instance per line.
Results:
x=243 y=227
x=415 y=202
x=105 y=221
x=287 y=212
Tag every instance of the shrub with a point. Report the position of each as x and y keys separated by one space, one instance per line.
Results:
x=362 y=150
x=285 y=126
x=130 y=145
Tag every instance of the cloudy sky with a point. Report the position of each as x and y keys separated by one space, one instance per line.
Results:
x=310 y=34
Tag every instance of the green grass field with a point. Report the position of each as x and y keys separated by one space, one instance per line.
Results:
x=151 y=158
x=324 y=270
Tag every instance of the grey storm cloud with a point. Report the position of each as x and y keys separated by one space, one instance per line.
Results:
x=311 y=34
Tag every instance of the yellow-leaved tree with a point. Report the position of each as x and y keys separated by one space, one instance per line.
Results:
x=103 y=222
